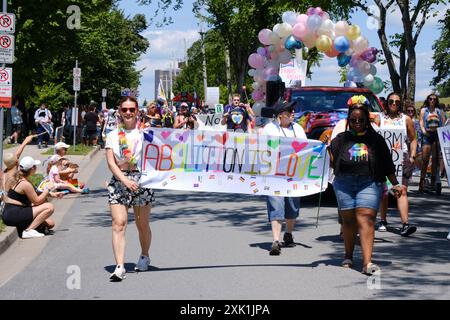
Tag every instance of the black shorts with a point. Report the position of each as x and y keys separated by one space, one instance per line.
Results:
x=17 y=127
x=17 y=216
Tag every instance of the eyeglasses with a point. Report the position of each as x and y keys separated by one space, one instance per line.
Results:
x=357 y=120
x=125 y=110
x=391 y=101
x=410 y=110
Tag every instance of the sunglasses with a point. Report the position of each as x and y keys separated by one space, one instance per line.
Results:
x=432 y=99
x=410 y=110
x=125 y=110
x=357 y=120
x=391 y=101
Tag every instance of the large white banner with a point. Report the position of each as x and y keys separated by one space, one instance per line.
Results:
x=444 y=140
x=210 y=122
x=233 y=163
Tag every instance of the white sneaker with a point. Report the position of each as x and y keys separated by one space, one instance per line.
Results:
x=118 y=274
x=32 y=234
x=142 y=264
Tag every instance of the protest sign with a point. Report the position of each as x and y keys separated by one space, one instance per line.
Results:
x=444 y=140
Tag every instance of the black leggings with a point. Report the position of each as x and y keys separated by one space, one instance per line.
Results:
x=17 y=216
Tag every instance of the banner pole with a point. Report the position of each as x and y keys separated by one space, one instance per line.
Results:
x=321 y=186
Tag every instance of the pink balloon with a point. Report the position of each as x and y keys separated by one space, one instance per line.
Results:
x=256 y=61
x=264 y=36
x=300 y=31
x=257 y=95
x=319 y=11
x=302 y=18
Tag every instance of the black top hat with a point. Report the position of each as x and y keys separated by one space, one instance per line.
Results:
x=279 y=107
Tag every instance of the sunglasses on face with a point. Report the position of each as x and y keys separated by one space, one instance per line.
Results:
x=432 y=99
x=357 y=120
x=125 y=110
x=410 y=110
x=391 y=101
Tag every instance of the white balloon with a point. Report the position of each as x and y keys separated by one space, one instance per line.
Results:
x=325 y=16
x=360 y=44
x=284 y=30
x=350 y=51
x=251 y=72
x=257 y=108
x=276 y=29
x=341 y=28
x=368 y=80
x=285 y=56
x=274 y=40
x=290 y=17
x=255 y=85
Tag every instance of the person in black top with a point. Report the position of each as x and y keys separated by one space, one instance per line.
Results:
x=361 y=161
x=91 y=119
x=236 y=116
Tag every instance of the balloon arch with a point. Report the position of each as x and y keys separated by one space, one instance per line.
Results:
x=314 y=29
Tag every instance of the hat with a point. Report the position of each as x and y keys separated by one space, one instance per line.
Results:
x=61 y=145
x=9 y=160
x=283 y=106
x=184 y=104
x=358 y=99
x=54 y=158
x=27 y=163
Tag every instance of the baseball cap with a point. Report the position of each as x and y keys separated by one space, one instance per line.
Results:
x=283 y=106
x=54 y=158
x=9 y=160
x=184 y=104
x=61 y=145
x=28 y=162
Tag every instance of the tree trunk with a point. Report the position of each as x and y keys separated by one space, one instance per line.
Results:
x=403 y=69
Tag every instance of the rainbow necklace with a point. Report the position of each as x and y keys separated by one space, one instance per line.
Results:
x=125 y=151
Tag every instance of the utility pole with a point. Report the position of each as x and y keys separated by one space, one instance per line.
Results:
x=2 y=116
x=228 y=70
x=205 y=79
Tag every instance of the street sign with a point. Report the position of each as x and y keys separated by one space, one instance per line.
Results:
x=74 y=120
x=103 y=105
x=125 y=92
x=7 y=22
x=6 y=48
x=5 y=87
x=104 y=93
x=76 y=72
x=219 y=108
x=76 y=83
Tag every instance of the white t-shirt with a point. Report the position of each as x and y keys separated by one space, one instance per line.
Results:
x=54 y=171
x=42 y=115
x=293 y=131
x=134 y=141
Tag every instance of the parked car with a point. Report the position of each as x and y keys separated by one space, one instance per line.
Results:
x=319 y=108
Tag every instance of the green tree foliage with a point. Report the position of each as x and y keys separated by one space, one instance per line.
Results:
x=441 y=58
x=107 y=45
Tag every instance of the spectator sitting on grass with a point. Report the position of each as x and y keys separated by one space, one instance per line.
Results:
x=68 y=173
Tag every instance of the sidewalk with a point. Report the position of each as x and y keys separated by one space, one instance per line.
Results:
x=9 y=235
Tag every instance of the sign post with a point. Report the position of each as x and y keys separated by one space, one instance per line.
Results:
x=7 y=25
x=76 y=88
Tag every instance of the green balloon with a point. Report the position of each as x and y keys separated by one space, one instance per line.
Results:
x=377 y=85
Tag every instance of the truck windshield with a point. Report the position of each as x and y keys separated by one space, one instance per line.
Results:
x=323 y=101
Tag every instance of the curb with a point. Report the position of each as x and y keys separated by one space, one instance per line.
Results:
x=8 y=236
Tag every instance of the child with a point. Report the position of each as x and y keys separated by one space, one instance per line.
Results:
x=57 y=164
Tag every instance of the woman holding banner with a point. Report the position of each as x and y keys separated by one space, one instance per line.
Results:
x=361 y=161
x=395 y=119
x=123 y=154
x=283 y=208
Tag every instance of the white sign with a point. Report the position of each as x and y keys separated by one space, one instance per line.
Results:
x=5 y=77
x=104 y=93
x=210 y=122
x=76 y=72
x=394 y=139
x=127 y=92
x=293 y=73
x=103 y=105
x=7 y=22
x=212 y=96
x=219 y=108
x=76 y=83
x=444 y=140
x=6 y=48
x=5 y=87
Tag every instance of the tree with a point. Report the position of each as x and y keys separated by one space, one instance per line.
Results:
x=441 y=58
x=414 y=17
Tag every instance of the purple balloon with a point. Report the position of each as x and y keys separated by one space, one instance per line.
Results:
x=311 y=11
x=261 y=51
x=369 y=55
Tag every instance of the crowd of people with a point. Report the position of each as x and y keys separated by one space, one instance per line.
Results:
x=363 y=169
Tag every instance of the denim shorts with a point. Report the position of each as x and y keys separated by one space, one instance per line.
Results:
x=357 y=192
x=430 y=139
x=280 y=208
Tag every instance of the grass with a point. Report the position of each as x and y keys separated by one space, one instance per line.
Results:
x=8 y=146
x=35 y=179
x=2 y=226
x=80 y=150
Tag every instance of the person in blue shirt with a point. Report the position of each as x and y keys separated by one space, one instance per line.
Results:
x=236 y=116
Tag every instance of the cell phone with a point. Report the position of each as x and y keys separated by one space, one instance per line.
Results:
x=393 y=192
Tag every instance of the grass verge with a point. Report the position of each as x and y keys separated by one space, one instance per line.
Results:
x=80 y=150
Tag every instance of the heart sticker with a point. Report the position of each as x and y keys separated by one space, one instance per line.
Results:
x=237 y=118
x=165 y=134
x=182 y=137
x=222 y=138
x=298 y=146
x=148 y=136
x=273 y=143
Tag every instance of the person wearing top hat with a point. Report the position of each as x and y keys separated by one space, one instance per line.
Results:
x=283 y=208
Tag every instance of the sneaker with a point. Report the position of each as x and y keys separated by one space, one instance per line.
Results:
x=276 y=249
x=118 y=274
x=39 y=146
x=382 y=227
x=31 y=234
x=407 y=230
x=448 y=236
x=85 y=191
x=288 y=240
x=142 y=264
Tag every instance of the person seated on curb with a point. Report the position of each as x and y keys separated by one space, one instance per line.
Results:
x=68 y=173
x=24 y=209
x=59 y=163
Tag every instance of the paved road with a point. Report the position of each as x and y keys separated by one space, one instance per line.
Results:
x=215 y=246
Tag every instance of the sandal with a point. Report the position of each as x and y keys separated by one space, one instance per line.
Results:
x=347 y=263
x=370 y=269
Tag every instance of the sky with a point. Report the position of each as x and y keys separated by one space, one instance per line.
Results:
x=167 y=44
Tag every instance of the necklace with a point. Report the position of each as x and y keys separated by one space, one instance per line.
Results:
x=292 y=127
x=124 y=148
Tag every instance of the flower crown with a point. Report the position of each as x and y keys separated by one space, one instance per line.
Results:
x=358 y=100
